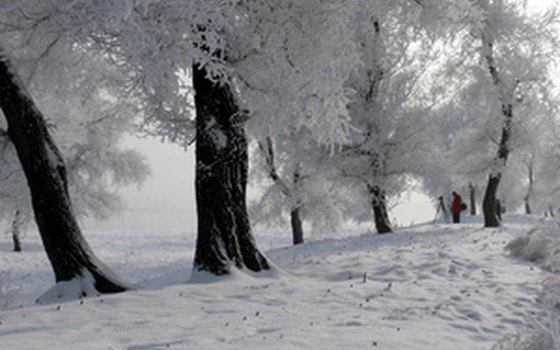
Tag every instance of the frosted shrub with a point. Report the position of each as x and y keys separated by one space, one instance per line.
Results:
x=550 y=294
x=532 y=248
x=541 y=245
x=7 y=292
x=537 y=336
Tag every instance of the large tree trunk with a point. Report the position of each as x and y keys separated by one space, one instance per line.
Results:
x=66 y=248
x=224 y=233
x=380 y=213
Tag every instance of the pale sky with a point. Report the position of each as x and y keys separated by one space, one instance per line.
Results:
x=166 y=199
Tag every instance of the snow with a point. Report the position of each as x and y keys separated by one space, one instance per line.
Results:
x=429 y=286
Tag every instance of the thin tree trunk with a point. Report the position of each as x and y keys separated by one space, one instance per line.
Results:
x=527 y=198
x=267 y=149
x=297 y=226
x=66 y=248
x=16 y=232
x=224 y=233
x=472 y=195
x=380 y=213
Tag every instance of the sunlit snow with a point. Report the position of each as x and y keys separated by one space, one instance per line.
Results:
x=431 y=287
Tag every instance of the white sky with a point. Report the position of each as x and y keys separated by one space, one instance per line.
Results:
x=166 y=199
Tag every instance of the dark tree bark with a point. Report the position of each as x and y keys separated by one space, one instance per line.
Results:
x=380 y=213
x=224 y=233
x=16 y=223
x=44 y=169
x=472 y=195
x=489 y=201
x=527 y=198
x=297 y=226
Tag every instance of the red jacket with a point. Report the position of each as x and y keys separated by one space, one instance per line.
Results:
x=456 y=205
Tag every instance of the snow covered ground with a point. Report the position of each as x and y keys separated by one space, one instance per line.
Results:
x=426 y=287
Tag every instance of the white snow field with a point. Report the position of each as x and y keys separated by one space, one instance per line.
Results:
x=430 y=286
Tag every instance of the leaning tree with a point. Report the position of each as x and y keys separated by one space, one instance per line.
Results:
x=45 y=171
x=88 y=129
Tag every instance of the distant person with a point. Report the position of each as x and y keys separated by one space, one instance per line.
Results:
x=456 y=207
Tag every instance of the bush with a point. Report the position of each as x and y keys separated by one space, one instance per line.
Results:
x=541 y=245
x=536 y=336
x=7 y=292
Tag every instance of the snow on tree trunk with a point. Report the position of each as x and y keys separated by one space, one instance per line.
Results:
x=380 y=213
x=224 y=233
x=66 y=248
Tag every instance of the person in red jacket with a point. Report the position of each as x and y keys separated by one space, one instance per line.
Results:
x=456 y=207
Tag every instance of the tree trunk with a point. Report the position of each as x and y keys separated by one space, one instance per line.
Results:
x=44 y=169
x=267 y=150
x=489 y=203
x=224 y=233
x=380 y=213
x=297 y=226
x=527 y=198
x=16 y=232
x=472 y=195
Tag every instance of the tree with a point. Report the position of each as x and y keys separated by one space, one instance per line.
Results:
x=297 y=183
x=497 y=79
x=67 y=250
x=288 y=189
x=390 y=108
x=224 y=232
x=88 y=129
x=508 y=55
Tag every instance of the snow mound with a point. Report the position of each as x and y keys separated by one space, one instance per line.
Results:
x=78 y=288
